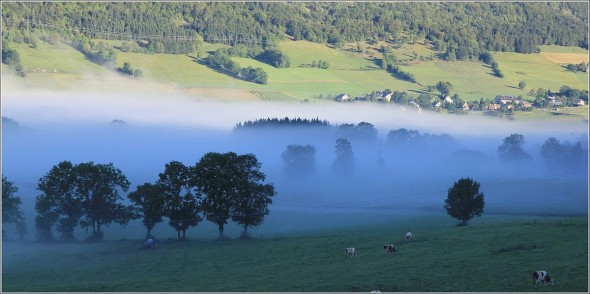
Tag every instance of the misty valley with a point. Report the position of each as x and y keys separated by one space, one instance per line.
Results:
x=390 y=169
x=343 y=175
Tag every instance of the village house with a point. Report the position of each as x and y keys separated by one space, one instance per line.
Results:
x=385 y=97
x=342 y=98
x=465 y=106
x=578 y=102
x=524 y=103
x=493 y=107
x=504 y=99
x=447 y=99
x=413 y=103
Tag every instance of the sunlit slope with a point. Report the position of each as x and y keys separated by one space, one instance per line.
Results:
x=62 y=67
x=537 y=72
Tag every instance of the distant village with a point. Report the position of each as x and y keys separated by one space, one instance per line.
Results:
x=501 y=104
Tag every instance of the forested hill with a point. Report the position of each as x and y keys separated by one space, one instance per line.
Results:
x=460 y=30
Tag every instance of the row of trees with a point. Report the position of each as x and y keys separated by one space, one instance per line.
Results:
x=219 y=187
x=222 y=61
x=11 y=57
x=461 y=30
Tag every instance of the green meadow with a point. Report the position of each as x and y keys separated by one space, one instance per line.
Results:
x=495 y=256
x=350 y=72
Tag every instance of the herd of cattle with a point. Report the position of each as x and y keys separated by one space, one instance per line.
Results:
x=539 y=277
x=351 y=251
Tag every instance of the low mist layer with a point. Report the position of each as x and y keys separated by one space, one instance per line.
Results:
x=140 y=133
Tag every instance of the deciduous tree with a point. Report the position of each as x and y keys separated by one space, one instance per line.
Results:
x=299 y=159
x=344 y=162
x=181 y=206
x=253 y=196
x=98 y=187
x=149 y=202
x=12 y=213
x=464 y=200
x=511 y=149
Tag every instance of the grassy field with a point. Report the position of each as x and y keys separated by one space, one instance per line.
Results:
x=573 y=113
x=62 y=67
x=496 y=257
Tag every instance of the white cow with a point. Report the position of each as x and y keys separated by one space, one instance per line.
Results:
x=408 y=236
x=349 y=251
x=541 y=277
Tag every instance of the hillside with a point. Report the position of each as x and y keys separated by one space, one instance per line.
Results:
x=61 y=67
x=349 y=72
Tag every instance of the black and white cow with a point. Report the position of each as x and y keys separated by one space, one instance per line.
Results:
x=389 y=248
x=408 y=236
x=541 y=277
x=349 y=251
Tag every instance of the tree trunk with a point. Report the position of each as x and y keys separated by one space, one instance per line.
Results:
x=245 y=233
x=221 y=237
x=149 y=233
x=184 y=234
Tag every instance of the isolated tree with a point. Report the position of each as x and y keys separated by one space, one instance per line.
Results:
x=464 y=200
x=365 y=131
x=149 y=201
x=59 y=203
x=444 y=88
x=12 y=213
x=299 y=159
x=521 y=85
x=216 y=177
x=180 y=204
x=253 y=196
x=344 y=162
x=98 y=187
x=511 y=149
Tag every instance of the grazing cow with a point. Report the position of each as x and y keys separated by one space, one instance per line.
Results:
x=389 y=248
x=541 y=277
x=408 y=236
x=349 y=252
x=149 y=244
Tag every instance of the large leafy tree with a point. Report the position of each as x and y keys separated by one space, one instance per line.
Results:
x=85 y=194
x=464 y=200
x=98 y=186
x=253 y=196
x=180 y=204
x=344 y=163
x=218 y=179
x=444 y=88
x=511 y=149
x=148 y=201
x=58 y=202
x=11 y=210
x=299 y=159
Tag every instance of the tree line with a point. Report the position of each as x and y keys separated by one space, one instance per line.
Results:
x=219 y=187
x=460 y=30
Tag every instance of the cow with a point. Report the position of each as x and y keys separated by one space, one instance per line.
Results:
x=389 y=248
x=541 y=277
x=408 y=236
x=149 y=244
x=349 y=252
